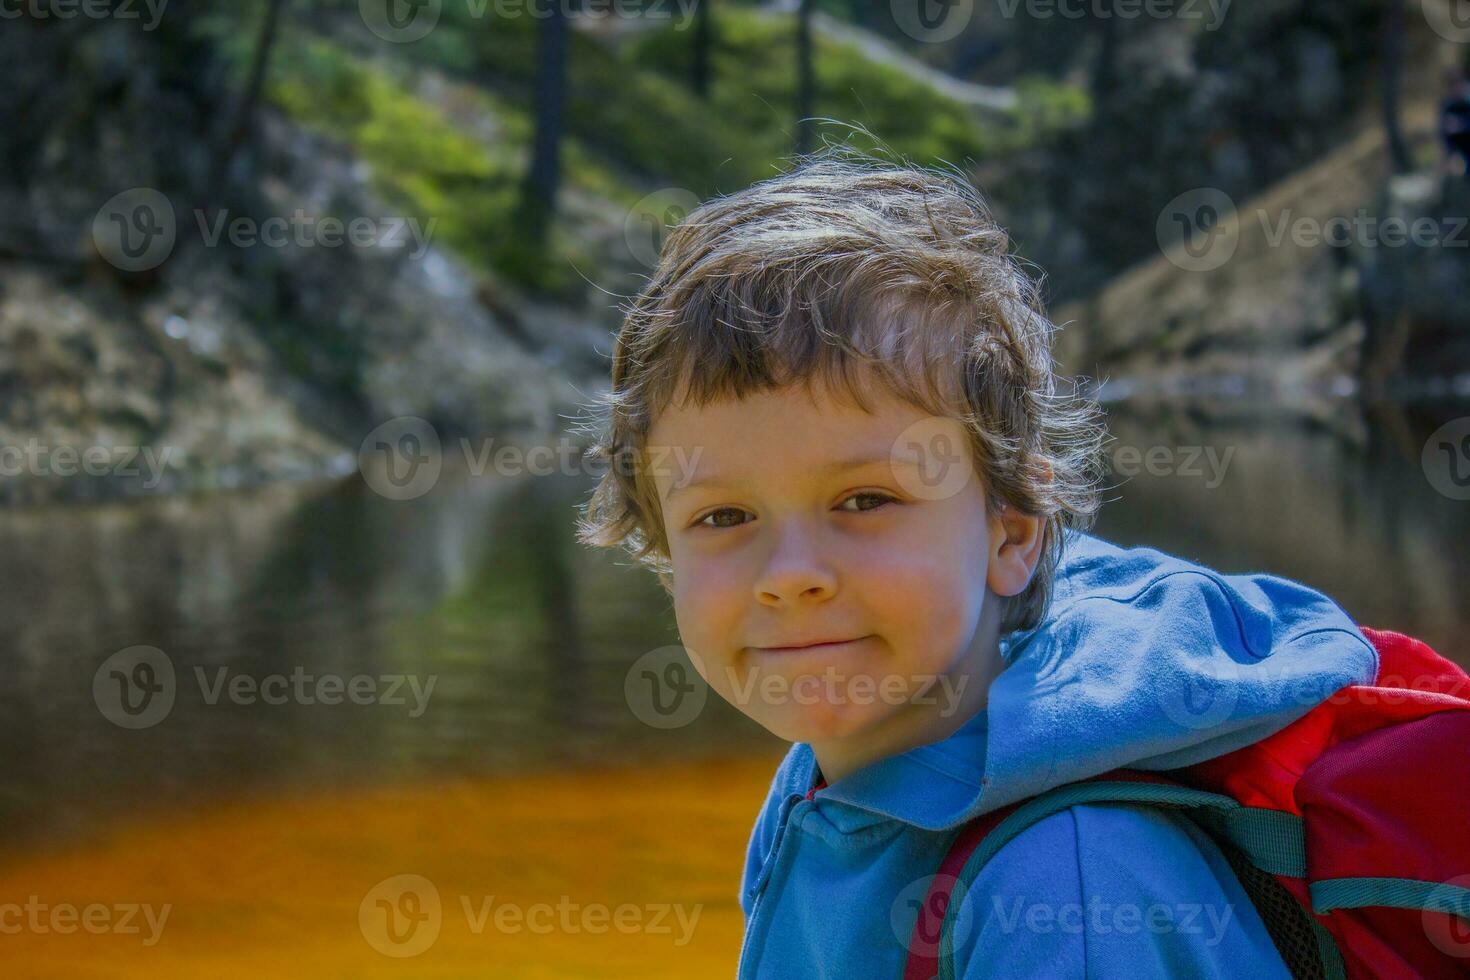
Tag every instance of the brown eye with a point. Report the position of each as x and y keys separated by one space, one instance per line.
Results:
x=724 y=517
x=868 y=500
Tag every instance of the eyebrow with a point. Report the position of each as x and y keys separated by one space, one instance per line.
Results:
x=834 y=466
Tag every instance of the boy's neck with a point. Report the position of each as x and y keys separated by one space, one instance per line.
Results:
x=919 y=723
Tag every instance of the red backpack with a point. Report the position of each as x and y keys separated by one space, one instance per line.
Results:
x=1348 y=828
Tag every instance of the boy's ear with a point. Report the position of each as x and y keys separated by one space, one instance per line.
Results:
x=1015 y=550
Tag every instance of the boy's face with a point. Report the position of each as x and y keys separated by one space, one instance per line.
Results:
x=826 y=576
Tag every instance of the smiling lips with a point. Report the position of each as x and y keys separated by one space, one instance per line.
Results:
x=813 y=645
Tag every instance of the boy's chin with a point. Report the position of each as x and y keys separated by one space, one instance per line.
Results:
x=813 y=723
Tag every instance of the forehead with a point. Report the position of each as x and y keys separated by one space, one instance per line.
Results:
x=808 y=406
x=788 y=432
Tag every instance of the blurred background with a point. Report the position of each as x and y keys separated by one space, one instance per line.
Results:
x=300 y=303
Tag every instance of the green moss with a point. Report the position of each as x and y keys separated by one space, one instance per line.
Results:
x=754 y=92
x=632 y=107
x=632 y=120
x=1047 y=106
x=425 y=163
x=622 y=114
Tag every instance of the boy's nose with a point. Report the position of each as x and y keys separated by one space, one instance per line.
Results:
x=795 y=573
x=791 y=591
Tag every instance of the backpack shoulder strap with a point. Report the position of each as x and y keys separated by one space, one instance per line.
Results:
x=1268 y=841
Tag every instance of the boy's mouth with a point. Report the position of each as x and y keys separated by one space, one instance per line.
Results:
x=811 y=646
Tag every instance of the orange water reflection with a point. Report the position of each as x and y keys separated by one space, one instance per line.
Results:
x=273 y=888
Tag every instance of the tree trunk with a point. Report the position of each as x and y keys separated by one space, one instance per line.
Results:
x=702 y=39
x=543 y=177
x=806 y=82
x=1105 y=71
x=245 y=110
x=1393 y=48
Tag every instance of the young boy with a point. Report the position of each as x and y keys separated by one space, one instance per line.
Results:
x=878 y=556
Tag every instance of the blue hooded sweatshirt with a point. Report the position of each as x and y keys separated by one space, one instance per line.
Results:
x=1143 y=660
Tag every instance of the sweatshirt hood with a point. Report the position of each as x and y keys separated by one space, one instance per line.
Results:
x=1144 y=660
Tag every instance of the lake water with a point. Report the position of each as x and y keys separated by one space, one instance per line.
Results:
x=523 y=769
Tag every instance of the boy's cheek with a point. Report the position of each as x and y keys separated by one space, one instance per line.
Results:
x=705 y=612
x=932 y=617
x=709 y=579
x=922 y=589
